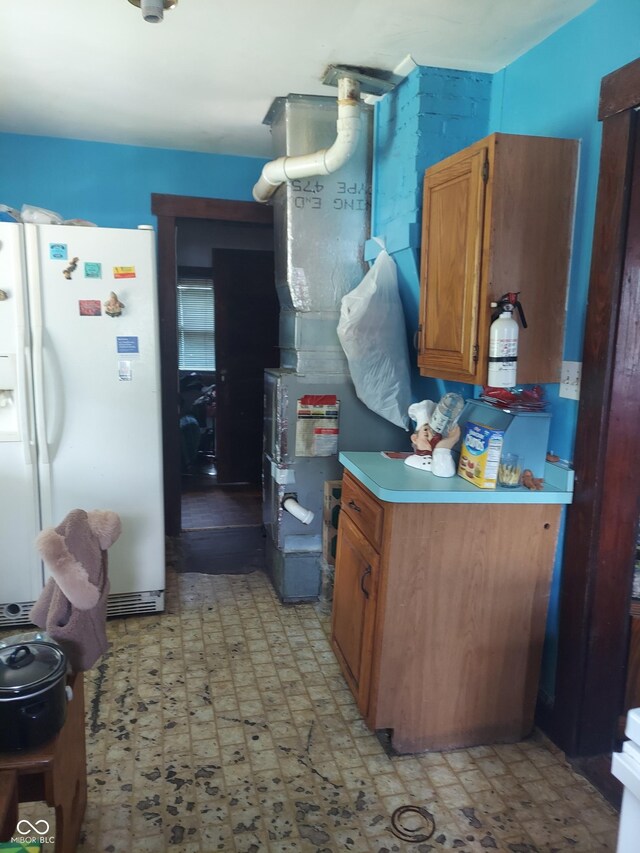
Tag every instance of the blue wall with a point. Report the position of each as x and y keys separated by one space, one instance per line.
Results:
x=111 y=185
x=552 y=90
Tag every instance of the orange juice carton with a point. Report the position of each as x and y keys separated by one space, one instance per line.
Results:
x=480 y=455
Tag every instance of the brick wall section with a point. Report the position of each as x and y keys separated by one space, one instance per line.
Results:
x=434 y=112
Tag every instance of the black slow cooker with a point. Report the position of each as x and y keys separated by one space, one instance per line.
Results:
x=33 y=699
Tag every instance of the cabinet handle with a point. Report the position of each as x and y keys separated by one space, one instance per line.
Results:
x=366 y=572
x=354 y=505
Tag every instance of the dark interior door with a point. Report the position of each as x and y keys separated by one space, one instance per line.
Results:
x=246 y=312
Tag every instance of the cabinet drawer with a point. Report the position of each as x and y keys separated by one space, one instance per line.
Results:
x=363 y=509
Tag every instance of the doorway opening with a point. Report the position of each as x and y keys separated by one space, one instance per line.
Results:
x=227 y=317
x=219 y=331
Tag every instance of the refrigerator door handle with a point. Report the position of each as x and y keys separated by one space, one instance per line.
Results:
x=38 y=381
x=33 y=265
x=35 y=305
x=25 y=389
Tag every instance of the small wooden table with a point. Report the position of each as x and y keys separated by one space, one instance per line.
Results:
x=55 y=773
x=8 y=802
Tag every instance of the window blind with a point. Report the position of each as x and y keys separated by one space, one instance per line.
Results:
x=196 y=324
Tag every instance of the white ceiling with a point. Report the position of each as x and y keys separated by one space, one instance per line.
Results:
x=204 y=79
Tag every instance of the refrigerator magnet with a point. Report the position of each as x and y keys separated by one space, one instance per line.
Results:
x=73 y=266
x=125 y=371
x=92 y=270
x=124 y=272
x=127 y=344
x=90 y=307
x=113 y=307
x=58 y=251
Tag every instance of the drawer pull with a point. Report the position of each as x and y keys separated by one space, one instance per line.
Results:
x=366 y=572
x=354 y=505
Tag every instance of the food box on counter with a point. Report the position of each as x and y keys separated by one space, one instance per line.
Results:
x=480 y=455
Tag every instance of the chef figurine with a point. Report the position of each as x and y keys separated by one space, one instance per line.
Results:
x=431 y=451
x=113 y=307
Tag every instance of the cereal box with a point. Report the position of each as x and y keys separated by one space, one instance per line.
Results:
x=480 y=455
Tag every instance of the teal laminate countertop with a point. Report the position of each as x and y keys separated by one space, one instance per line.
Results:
x=393 y=481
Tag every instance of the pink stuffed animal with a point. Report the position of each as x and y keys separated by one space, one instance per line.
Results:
x=72 y=607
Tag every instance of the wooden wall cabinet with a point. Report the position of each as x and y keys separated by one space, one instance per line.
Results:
x=497 y=217
x=439 y=616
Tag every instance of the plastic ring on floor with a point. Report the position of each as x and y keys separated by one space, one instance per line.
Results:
x=418 y=834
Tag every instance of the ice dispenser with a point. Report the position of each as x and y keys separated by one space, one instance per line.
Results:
x=8 y=408
x=525 y=433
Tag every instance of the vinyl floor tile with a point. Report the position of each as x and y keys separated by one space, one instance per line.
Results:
x=224 y=725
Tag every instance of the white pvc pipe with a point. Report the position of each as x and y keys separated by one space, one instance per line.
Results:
x=152 y=11
x=291 y=505
x=326 y=160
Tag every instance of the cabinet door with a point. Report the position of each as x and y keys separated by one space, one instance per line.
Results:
x=354 y=605
x=452 y=238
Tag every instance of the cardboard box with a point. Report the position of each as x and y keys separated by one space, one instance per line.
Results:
x=330 y=516
x=480 y=455
x=331 y=503
x=329 y=543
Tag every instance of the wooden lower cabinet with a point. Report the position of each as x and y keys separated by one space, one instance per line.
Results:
x=354 y=609
x=439 y=629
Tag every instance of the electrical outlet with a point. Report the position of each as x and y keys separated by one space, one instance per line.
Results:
x=570 y=379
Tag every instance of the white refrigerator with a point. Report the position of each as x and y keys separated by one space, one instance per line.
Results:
x=80 y=421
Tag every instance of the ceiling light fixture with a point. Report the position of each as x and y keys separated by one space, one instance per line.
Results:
x=153 y=10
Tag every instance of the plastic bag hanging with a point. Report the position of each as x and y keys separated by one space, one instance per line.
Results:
x=372 y=332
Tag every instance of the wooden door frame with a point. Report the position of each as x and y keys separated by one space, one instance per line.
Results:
x=602 y=521
x=169 y=209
